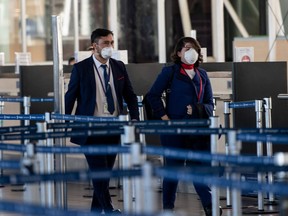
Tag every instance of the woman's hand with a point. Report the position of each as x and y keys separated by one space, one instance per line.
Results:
x=189 y=110
x=165 y=117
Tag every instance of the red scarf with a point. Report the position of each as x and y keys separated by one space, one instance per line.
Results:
x=186 y=66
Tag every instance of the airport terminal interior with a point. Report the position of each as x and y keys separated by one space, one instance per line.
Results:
x=244 y=44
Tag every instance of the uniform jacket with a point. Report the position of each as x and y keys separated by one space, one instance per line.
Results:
x=82 y=89
x=183 y=91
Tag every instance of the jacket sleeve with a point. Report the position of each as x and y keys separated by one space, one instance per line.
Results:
x=207 y=101
x=155 y=93
x=129 y=96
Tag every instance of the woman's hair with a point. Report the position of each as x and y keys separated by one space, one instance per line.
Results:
x=180 y=44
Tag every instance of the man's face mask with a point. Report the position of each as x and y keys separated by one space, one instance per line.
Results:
x=106 y=52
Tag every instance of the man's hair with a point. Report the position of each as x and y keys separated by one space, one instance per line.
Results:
x=71 y=59
x=97 y=33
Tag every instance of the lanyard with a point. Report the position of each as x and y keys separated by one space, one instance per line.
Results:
x=200 y=91
x=101 y=81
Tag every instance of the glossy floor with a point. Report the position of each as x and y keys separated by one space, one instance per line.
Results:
x=79 y=198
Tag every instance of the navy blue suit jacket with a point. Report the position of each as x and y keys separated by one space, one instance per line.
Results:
x=82 y=88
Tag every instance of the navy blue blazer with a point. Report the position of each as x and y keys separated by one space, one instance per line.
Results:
x=184 y=91
x=82 y=88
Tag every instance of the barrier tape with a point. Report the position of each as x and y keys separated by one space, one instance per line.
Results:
x=246 y=104
x=22 y=99
x=167 y=152
x=176 y=174
x=248 y=137
x=75 y=176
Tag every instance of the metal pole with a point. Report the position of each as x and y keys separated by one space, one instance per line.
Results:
x=259 y=124
x=60 y=160
x=235 y=147
x=269 y=146
x=227 y=151
x=23 y=26
x=214 y=189
x=161 y=31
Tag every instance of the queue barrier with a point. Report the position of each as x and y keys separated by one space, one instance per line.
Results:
x=259 y=105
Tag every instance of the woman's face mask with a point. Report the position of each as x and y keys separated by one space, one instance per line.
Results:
x=191 y=56
x=106 y=52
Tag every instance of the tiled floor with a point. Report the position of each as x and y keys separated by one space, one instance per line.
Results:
x=79 y=198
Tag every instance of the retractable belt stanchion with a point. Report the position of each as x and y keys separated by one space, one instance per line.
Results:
x=142 y=137
x=259 y=124
x=227 y=125
x=126 y=140
x=26 y=105
x=281 y=159
x=137 y=163
x=46 y=165
x=234 y=148
x=269 y=147
x=214 y=140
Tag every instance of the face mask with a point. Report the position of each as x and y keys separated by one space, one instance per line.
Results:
x=191 y=56
x=106 y=52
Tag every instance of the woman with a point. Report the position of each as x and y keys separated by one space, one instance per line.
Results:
x=189 y=97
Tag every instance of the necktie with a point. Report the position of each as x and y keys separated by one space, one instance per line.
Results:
x=109 y=97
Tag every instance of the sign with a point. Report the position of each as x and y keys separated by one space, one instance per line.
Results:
x=244 y=54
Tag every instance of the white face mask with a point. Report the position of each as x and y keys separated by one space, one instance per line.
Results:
x=191 y=56
x=106 y=52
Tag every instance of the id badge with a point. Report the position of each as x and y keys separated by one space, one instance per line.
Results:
x=105 y=108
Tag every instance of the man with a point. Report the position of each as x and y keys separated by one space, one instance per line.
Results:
x=99 y=84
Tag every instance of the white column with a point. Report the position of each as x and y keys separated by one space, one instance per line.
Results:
x=218 y=30
x=23 y=26
x=66 y=17
x=76 y=26
x=161 y=30
x=85 y=18
x=113 y=17
x=185 y=17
